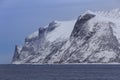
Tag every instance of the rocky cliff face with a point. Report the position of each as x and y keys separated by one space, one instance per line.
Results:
x=92 y=38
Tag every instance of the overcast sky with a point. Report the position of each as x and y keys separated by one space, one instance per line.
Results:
x=19 y=18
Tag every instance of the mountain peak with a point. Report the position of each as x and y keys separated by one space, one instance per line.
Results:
x=89 y=12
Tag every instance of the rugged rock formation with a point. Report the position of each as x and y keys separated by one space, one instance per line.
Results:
x=92 y=38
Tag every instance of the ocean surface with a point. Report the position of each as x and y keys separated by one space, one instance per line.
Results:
x=60 y=72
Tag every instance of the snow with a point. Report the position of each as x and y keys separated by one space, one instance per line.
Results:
x=16 y=62
x=62 y=31
x=19 y=48
x=97 y=19
x=107 y=55
x=112 y=16
x=33 y=35
x=116 y=30
x=37 y=59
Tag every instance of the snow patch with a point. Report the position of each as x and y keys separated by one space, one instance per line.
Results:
x=63 y=31
x=33 y=35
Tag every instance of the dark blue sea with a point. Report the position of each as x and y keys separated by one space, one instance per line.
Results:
x=60 y=72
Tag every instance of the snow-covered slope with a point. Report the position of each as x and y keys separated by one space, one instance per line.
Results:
x=92 y=38
x=62 y=31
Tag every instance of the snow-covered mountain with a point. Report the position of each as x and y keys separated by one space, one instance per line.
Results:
x=92 y=38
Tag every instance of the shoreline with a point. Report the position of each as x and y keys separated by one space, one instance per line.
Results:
x=70 y=64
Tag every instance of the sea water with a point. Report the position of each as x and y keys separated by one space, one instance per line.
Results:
x=60 y=72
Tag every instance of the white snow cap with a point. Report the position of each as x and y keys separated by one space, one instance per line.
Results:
x=62 y=31
x=64 y=28
x=114 y=17
x=33 y=35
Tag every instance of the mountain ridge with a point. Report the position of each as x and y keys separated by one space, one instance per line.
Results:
x=92 y=38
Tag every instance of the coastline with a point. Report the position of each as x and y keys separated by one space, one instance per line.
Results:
x=20 y=63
